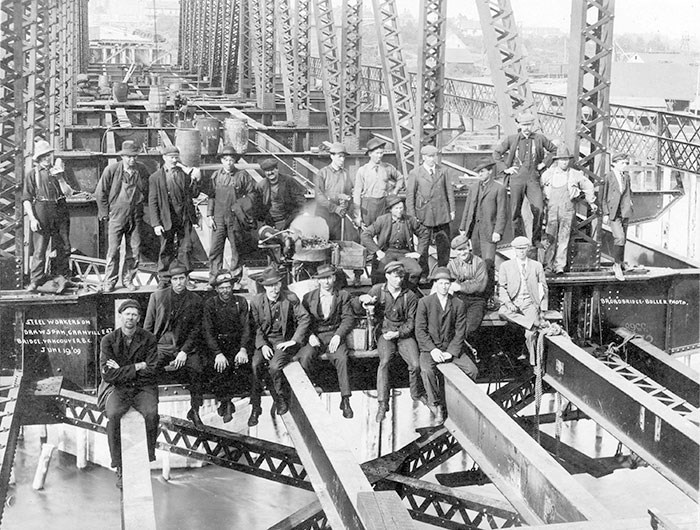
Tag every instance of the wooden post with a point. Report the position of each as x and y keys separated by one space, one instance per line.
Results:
x=81 y=448
x=42 y=468
x=137 y=491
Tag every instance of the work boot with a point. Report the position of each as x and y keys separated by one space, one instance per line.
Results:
x=193 y=416
x=436 y=411
x=282 y=407
x=345 y=407
x=221 y=409
x=229 y=409
x=254 y=415
x=617 y=271
x=119 y=478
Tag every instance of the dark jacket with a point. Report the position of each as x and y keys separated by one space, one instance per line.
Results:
x=506 y=151
x=226 y=326
x=184 y=322
x=295 y=319
x=159 y=203
x=617 y=203
x=381 y=228
x=394 y=315
x=110 y=184
x=291 y=193
x=341 y=319
x=485 y=210
x=143 y=349
x=430 y=199
x=440 y=329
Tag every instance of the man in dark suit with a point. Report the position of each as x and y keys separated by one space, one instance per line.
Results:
x=522 y=156
x=617 y=208
x=128 y=364
x=174 y=316
x=523 y=292
x=331 y=319
x=281 y=324
x=484 y=218
x=171 y=191
x=282 y=197
x=390 y=238
x=121 y=194
x=441 y=325
x=430 y=199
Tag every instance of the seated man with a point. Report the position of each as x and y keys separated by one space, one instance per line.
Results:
x=523 y=292
x=470 y=282
x=128 y=364
x=441 y=325
x=331 y=319
x=394 y=233
x=395 y=311
x=281 y=323
x=226 y=328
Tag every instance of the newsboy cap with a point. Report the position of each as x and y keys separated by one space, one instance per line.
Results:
x=268 y=163
x=520 y=242
x=374 y=143
x=429 y=150
x=460 y=242
x=169 y=150
x=338 y=148
x=394 y=266
x=129 y=303
x=442 y=273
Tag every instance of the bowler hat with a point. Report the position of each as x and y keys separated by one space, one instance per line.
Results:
x=392 y=200
x=338 y=148
x=270 y=276
x=520 y=242
x=268 y=163
x=442 y=273
x=526 y=118
x=562 y=152
x=129 y=149
x=460 y=242
x=169 y=150
x=228 y=150
x=127 y=304
x=324 y=271
x=394 y=266
x=176 y=268
x=620 y=156
x=429 y=150
x=374 y=143
x=41 y=148
x=485 y=163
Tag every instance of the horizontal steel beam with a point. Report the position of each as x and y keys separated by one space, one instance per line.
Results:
x=667 y=441
x=539 y=489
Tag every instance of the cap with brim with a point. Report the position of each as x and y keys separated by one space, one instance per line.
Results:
x=169 y=150
x=526 y=118
x=228 y=150
x=324 y=271
x=270 y=276
x=129 y=149
x=338 y=148
x=393 y=200
x=520 y=242
x=127 y=304
x=620 y=156
x=429 y=150
x=394 y=266
x=460 y=242
x=485 y=163
x=41 y=148
x=374 y=143
x=82 y=78
x=175 y=269
x=268 y=163
x=442 y=273
x=222 y=277
x=562 y=153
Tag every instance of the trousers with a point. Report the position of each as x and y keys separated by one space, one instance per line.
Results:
x=532 y=189
x=408 y=350
x=119 y=401
x=130 y=231
x=339 y=359
x=274 y=367
x=54 y=227
x=432 y=379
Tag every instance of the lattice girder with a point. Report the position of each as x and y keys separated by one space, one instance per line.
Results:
x=330 y=65
x=302 y=54
x=351 y=55
x=256 y=43
x=268 y=72
x=244 y=50
x=287 y=45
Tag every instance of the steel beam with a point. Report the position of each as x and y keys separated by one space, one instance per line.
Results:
x=287 y=45
x=663 y=438
x=346 y=495
x=530 y=479
x=301 y=62
x=10 y=402
x=351 y=73
x=257 y=51
x=245 y=81
x=217 y=29
x=267 y=12
x=330 y=65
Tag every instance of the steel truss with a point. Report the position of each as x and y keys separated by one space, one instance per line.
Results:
x=588 y=111
x=430 y=79
x=256 y=43
x=351 y=74
x=244 y=50
x=330 y=65
x=301 y=61
x=218 y=29
x=506 y=60
x=267 y=12
x=229 y=55
x=287 y=47
x=399 y=91
x=11 y=397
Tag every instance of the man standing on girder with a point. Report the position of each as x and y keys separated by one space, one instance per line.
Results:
x=282 y=197
x=121 y=193
x=617 y=208
x=333 y=190
x=521 y=157
x=373 y=183
x=430 y=198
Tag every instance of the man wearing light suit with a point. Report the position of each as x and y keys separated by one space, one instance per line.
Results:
x=617 y=208
x=523 y=292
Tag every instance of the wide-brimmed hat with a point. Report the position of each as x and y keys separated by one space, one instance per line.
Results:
x=429 y=150
x=442 y=273
x=620 y=156
x=129 y=149
x=526 y=118
x=520 y=242
x=337 y=148
x=460 y=242
x=228 y=150
x=394 y=266
x=485 y=163
x=268 y=163
x=41 y=148
x=374 y=143
x=562 y=152
x=126 y=304
x=325 y=271
x=176 y=268
x=270 y=276
x=169 y=150
x=392 y=200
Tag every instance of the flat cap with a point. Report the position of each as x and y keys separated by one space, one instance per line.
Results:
x=520 y=242
x=429 y=150
x=228 y=150
x=460 y=242
x=392 y=200
x=268 y=163
x=526 y=118
x=442 y=273
x=337 y=148
x=129 y=303
x=176 y=268
x=394 y=266
x=169 y=150
x=485 y=163
x=374 y=143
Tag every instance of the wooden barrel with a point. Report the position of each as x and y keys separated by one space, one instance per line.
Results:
x=157 y=98
x=236 y=134
x=120 y=91
x=103 y=81
x=209 y=134
x=190 y=146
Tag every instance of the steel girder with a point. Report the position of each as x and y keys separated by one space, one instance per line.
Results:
x=430 y=79
x=229 y=57
x=506 y=60
x=244 y=49
x=186 y=36
x=330 y=65
x=399 y=92
x=287 y=46
x=267 y=11
x=218 y=25
x=11 y=398
x=301 y=60
x=588 y=109
x=351 y=73
x=256 y=43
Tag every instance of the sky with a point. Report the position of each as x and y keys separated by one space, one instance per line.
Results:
x=672 y=18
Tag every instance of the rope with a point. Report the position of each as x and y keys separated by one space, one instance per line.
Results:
x=538 y=381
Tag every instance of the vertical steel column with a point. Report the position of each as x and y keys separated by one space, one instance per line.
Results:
x=34 y=60
x=216 y=41
x=287 y=47
x=506 y=60
x=256 y=43
x=397 y=81
x=244 y=50
x=301 y=62
x=430 y=80
x=181 y=24
x=205 y=40
x=53 y=43
x=268 y=70
x=83 y=36
x=229 y=51
x=188 y=35
x=351 y=74
x=330 y=65
x=199 y=9
x=590 y=52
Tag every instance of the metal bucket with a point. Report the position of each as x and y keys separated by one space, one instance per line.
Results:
x=236 y=134
x=120 y=91
x=190 y=145
x=209 y=134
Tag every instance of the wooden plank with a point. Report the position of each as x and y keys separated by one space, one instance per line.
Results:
x=137 y=493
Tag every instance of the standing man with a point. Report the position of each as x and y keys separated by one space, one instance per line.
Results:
x=171 y=192
x=331 y=319
x=431 y=200
x=174 y=316
x=228 y=215
x=395 y=311
x=128 y=364
x=333 y=189
x=562 y=186
x=390 y=238
x=523 y=292
x=44 y=201
x=373 y=183
x=617 y=208
x=521 y=157
x=441 y=326
x=470 y=283
x=484 y=218
x=281 y=324
x=121 y=193
x=226 y=327
x=282 y=196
